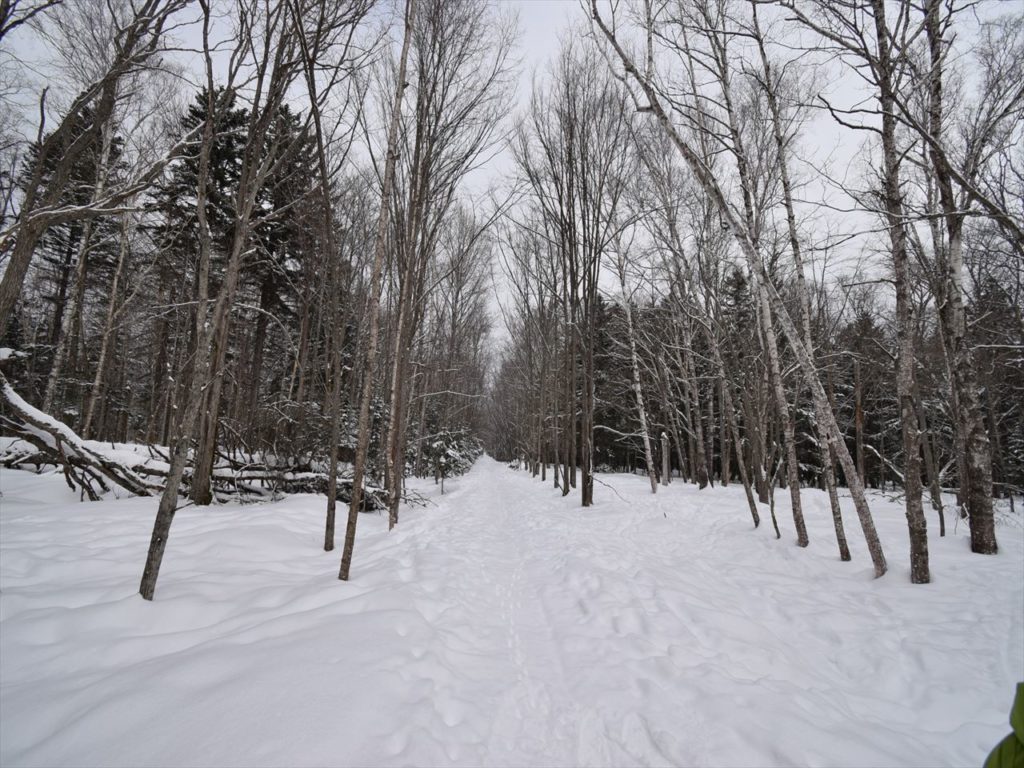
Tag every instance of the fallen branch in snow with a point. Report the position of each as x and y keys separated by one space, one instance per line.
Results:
x=83 y=467
x=892 y=467
x=412 y=498
x=259 y=480
x=599 y=480
x=88 y=470
x=44 y=441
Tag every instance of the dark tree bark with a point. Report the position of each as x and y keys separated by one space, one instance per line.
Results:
x=373 y=302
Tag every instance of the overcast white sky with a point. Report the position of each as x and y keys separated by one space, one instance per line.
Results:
x=541 y=22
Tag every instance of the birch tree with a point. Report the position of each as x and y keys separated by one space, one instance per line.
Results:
x=652 y=100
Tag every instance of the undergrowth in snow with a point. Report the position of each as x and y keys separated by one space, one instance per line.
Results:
x=500 y=624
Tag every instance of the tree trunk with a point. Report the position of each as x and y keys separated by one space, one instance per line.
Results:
x=64 y=273
x=81 y=268
x=201 y=491
x=190 y=413
x=113 y=309
x=757 y=450
x=695 y=416
x=858 y=417
x=969 y=418
x=729 y=414
x=74 y=314
x=778 y=132
x=931 y=469
x=666 y=460
x=373 y=301
x=710 y=433
x=587 y=419
x=723 y=439
x=785 y=417
x=641 y=411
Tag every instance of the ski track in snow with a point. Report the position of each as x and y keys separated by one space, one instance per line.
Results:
x=501 y=626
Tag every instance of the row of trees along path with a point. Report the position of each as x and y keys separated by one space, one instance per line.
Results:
x=285 y=273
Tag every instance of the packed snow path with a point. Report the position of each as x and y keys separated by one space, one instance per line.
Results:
x=500 y=625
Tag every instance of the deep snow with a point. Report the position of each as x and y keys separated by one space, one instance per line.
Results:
x=499 y=625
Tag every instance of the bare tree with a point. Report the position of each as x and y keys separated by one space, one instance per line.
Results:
x=621 y=257
x=14 y=13
x=327 y=35
x=460 y=53
x=652 y=101
x=772 y=83
x=139 y=39
x=274 y=60
x=373 y=302
x=567 y=153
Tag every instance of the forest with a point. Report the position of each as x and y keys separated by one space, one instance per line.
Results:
x=247 y=252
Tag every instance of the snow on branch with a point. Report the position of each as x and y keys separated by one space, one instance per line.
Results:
x=83 y=467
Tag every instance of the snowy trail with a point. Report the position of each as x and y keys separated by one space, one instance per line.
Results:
x=488 y=623
x=490 y=583
x=500 y=625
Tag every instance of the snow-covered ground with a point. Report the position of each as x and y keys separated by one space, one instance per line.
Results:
x=500 y=625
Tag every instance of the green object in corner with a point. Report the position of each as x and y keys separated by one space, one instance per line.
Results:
x=1009 y=753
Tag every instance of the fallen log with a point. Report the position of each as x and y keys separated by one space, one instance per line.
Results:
x=90 y=472
x=82 y=465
